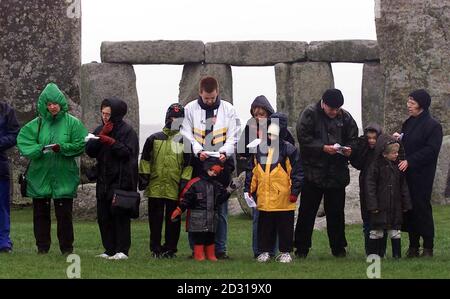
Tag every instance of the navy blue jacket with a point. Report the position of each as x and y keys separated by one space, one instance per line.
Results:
x=9 y=128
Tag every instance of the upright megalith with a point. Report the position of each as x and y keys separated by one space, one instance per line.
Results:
x=153 y=52
x=413 y=38
x=40 y=42
x=372 y=94
x=255 y=53
x=300 y=84
x=103 y=80
x=192 y=74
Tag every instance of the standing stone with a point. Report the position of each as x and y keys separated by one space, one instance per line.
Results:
x=343 y=51
x=255 y=53
x=153 y=52
x=415 y=53
x=441 y=180
x=192 y=74
x=372 y=95
x=102 y=80
x=39 y=43
x=299 y=85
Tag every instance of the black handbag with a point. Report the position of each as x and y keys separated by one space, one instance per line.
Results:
x=126 y=202
x=22 y=179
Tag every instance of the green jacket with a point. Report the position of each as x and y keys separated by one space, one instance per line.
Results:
x=165 y=165
x=52 y=175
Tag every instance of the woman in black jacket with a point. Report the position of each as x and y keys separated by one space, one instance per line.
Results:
x=116 y=151
x=422 y=138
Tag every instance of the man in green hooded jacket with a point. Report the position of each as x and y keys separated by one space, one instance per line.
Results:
x=51 y=142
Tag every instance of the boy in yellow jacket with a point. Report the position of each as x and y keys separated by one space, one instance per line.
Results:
x=274 y=178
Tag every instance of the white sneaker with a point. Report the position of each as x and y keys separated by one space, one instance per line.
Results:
x=118 y=256
x=103 y=256
x=263 y=257
x=284 y=257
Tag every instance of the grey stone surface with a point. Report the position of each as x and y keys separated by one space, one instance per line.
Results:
x=39 y=43
x=343 y=51
x=192 y=74
x=301 y=84
x=102 y=80
x=441 y=178
x=255 y=53
x=372 y=94
x=447 y=188
x=415 y=53
x=153 y=52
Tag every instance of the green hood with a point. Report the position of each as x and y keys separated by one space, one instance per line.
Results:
x=52 y=93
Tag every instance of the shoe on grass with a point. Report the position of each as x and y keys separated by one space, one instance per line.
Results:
x=284 y=257
x=263 y=257
x=118 y=256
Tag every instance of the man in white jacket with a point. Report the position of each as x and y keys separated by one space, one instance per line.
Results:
x=212 y=126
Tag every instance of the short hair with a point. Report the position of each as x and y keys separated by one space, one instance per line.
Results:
x=208 y=84
x=391 y=147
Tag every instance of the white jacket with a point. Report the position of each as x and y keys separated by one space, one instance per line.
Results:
x=224 y=134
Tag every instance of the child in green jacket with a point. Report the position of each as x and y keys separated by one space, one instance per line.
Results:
x=164 y=169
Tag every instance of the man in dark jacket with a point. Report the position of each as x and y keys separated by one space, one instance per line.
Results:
x=326 y=134
x=422 y=138
x=116 y=151
x=9 y=128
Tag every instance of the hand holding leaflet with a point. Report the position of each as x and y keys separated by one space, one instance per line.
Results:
x=249 y=200
x=89 y=137
x=340 y=148
x=213 y=154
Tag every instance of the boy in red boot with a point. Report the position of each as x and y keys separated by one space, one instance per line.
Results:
x=202 y=196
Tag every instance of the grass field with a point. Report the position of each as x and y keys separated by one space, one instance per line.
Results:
x=25 y=263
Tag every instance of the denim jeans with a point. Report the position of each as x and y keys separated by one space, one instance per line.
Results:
x=222 y=228
x=5 y=241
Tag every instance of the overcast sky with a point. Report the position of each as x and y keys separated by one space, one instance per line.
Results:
x=212 y=20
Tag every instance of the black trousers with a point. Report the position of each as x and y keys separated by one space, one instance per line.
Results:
x=271 y=224
x=159 y=211
x=42 y=223
x=334 y=203
x=203 y=238
x=115 y=228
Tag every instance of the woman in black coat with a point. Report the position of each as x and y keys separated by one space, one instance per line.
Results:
x=116 y=151
x=422 y=138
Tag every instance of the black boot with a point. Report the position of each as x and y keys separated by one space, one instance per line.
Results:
x=396 y=248
x=412 y=252
x=374 y=246
x=383 y=245
x=427 y=252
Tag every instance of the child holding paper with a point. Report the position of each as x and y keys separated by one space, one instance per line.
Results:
x=274 y=178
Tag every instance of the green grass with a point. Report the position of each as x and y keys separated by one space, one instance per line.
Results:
x=25 y=263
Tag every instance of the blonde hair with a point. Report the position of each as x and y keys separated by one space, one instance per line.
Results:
x=391 y=147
